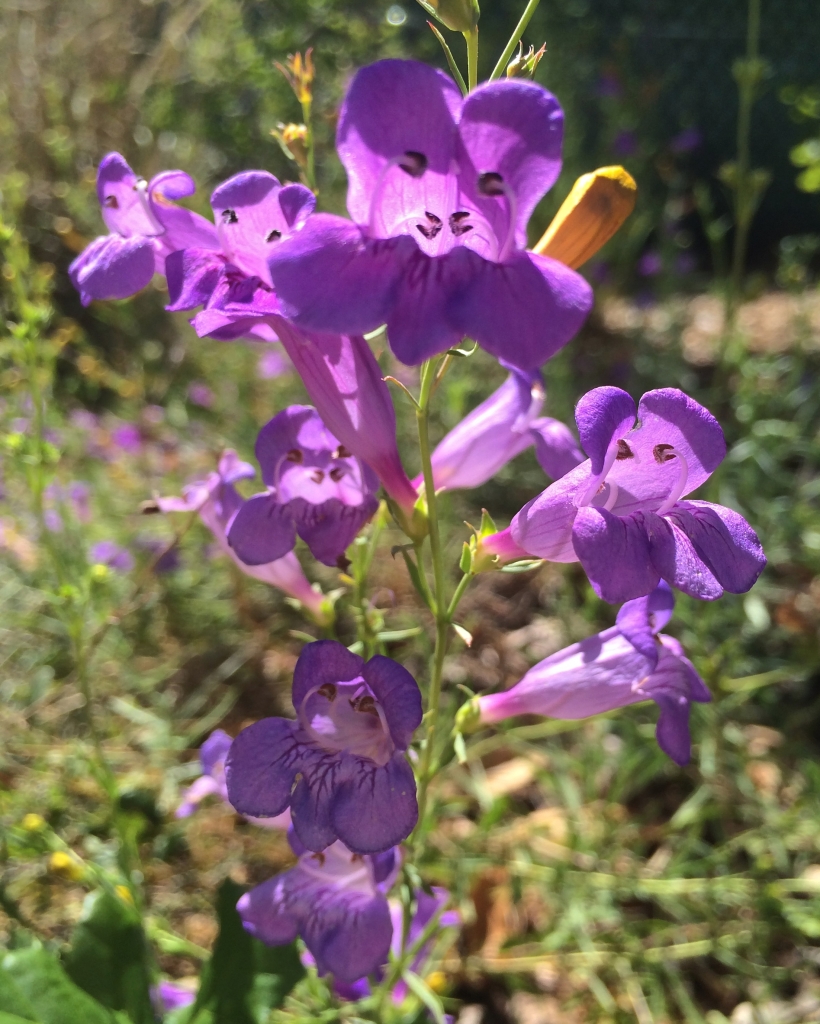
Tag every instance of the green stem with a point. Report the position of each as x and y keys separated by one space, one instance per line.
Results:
x=460 y=590
x=472 y=57
x=515 y=38
x=310 y=172
x=743 y=199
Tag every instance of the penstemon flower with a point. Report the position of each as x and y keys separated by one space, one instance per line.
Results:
x=440 y=191
x=622 y=513
x=217 y=501
x=341 y=766
x=316 y=489
x=627 y=664
x=145 y=227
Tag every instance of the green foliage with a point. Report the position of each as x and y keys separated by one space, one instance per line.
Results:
x=244 y=979
x=109 y=957
x=53 y=996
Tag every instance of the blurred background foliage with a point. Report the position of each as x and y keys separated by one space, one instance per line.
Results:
x=597 y=881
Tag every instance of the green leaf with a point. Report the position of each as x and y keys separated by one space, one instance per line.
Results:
x=12 y=1018
x=52 y=994
x=109 y=957
x=12 y=1001
x=420 y=989
x=244 y=978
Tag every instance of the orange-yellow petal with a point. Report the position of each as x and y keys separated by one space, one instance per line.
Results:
x=590 y=215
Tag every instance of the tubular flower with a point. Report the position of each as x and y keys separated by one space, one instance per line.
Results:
x=440 y=189
x=503 y=426
x=622 y=513
x=253 y=213
x=145 y=226
x=335 y=901
x=217 y=501
x=346 y=748
x=211 y=782
x=316 y=489
x=629 y=663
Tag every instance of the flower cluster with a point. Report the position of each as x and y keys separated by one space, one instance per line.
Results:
x=441 y=188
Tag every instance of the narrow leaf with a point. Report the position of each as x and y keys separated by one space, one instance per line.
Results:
x=423 y=992
x=451 y=61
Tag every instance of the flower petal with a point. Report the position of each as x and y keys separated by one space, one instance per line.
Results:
x=315 y=796
x=676 y=559
x=123 y=199
x=261 y=766
x=193 y=276
x=543 y=527
x=615 y=554
x=556 y=449
x=296 y=427
x=399 y=695
x=330 y=528
x=262 y=531
x=602 y=416
x=375 y=806
x=250 y=220
x=641 y=619
x=672 y=730
x=523 y=310
x=214 y=750
x=724 y=540
x=329 y=277
x=268 y=913
x=112 y=267
x=513 y=128
x=349 y=933
x=395 y=107
x=325 y=661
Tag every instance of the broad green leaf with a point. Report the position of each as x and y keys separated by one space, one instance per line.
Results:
x=109 y=957
x=244 y=978
x=12 y=1001
x=12 y=1018
x=53 y=995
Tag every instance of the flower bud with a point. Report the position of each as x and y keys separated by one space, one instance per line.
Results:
x=523 y=65
x=596 y=207
x=457 y=15
x=65 y=864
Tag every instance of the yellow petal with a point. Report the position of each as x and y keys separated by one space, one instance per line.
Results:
x=590 y=215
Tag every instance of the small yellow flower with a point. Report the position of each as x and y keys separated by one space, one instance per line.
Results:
x=437 y=980
x=62 y=863
x=124 y=894
x=34 y=823
x=99 y=571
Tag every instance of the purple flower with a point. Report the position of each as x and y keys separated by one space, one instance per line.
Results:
x=211 y=782
x=271 y=364
x=440 y=189
x=346 y=748
x=345 y=384
x=621 y=512
x=217 y=501
x=650 y=264
x=625 y=144
x=127 y=437
x=144 y=227
x=686 y=140
x=335 y=901
x=167 y=996
x=316 y=489
x=106 y=552
x=496 y=431
x=52 y=520
x=629 y=663
x=200 y=394
x=254 y=214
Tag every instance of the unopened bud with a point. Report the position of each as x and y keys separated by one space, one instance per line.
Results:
x=34 y=823
x=293 y=138
x=523 y=65
x=457 y=15
x=299 y=73
x=65 y=864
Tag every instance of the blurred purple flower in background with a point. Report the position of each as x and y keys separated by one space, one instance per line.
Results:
x=440 y=191
x=687 y=140
x=127 y=437
x=200 y=394
x=217 y=501
x=625 y=143
x=168 y=996
x=623 y=665
x=335 y=901
x=650 y=264
x=620 y=513
x=144 y=225
x=271 y=364
x=316 y=489
x=345 y=753
x=107 y=552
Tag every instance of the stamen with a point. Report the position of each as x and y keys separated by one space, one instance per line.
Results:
x=680 y=483
x=111 y=203
x=337 y=474
x=229 y=217
x=624 y=451
x=612 y=497
x=327 y=690
x=273 y=236
x=341 y=453
x=432 y=227
x=492 y=185
x=456 y=222
x=317 y=476
x=412 y=163
x=295 y=455
x=596 y=481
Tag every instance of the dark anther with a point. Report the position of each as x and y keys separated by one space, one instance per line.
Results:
x=317 y=476
x=664 y=452
x=295 y=455
x=111 y=203
x=341 y=453
x=491 y=184
x=229 y=217
x=624 y=451
x=319 y=857
x=273 y=236
x=149 y=508
x=432 y=227
x=327 y=690
x=364 y=704
x=336 y=474
x=457 y=225
x=414 y=164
